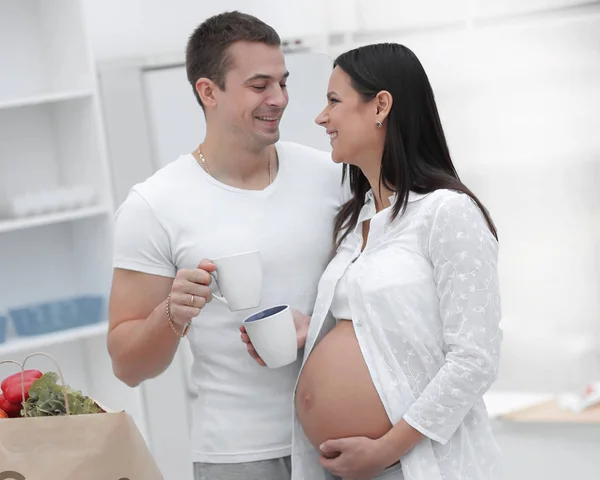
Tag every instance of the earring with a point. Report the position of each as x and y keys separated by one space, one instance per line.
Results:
x=378 y=124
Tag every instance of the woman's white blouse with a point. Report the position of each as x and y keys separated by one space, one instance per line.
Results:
x=425 y=304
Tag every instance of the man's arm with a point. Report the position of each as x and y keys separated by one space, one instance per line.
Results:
x=141 y=342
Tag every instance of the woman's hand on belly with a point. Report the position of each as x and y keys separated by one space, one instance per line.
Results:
x=301 y=321
x=362 y=458
x=359 y=458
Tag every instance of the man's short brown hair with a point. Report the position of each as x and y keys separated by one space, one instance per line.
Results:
x=207 y=49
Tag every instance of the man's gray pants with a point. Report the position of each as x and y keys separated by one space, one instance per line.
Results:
x=276 y=469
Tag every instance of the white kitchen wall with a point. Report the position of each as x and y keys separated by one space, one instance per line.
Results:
x=131 y=27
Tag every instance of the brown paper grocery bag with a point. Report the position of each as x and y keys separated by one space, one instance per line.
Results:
x=98 y=446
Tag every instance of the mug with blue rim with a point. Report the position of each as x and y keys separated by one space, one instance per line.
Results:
x=273 y=334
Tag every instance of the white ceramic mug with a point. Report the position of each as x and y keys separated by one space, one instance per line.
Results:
x=239 y=278
x=273 y=335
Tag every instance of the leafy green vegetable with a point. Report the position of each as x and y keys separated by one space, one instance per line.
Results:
x=46 y=398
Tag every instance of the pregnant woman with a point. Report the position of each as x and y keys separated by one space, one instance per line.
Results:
x=404 y=339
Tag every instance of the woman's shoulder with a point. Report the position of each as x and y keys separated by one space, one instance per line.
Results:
x=427 y=206
x=443 y=207
x=442 y=196
x=453 y=217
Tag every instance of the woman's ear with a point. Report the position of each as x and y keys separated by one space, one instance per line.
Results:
x=383 y=102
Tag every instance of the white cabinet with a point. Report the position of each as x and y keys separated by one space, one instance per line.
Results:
x=56 y=199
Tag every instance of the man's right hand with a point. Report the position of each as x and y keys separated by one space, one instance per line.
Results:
x=140 y=341
x=190 y=292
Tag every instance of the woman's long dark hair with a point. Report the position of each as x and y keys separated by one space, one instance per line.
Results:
x=415 y=154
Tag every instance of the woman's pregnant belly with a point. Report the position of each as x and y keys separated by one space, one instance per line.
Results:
x=335 y=397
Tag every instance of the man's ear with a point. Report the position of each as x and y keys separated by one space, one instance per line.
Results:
x=206 y=91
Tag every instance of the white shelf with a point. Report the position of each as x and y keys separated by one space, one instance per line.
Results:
x=41 y=342
x=45 y=98
x=43 y=47
x=67 y=149
x=52 y=218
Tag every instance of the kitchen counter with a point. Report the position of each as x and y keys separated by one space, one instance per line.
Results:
x=539 y=440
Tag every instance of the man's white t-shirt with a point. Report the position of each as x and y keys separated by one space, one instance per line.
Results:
x=180 y=215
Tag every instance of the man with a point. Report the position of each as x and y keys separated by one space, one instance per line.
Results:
x=242 y=189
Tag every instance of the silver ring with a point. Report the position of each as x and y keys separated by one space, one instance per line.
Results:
x=192 y=300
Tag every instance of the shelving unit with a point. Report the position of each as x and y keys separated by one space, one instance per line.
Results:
x=52 y=137
x=45 y=43
x=43 y=98
x=41 y=342
x=12 y=225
